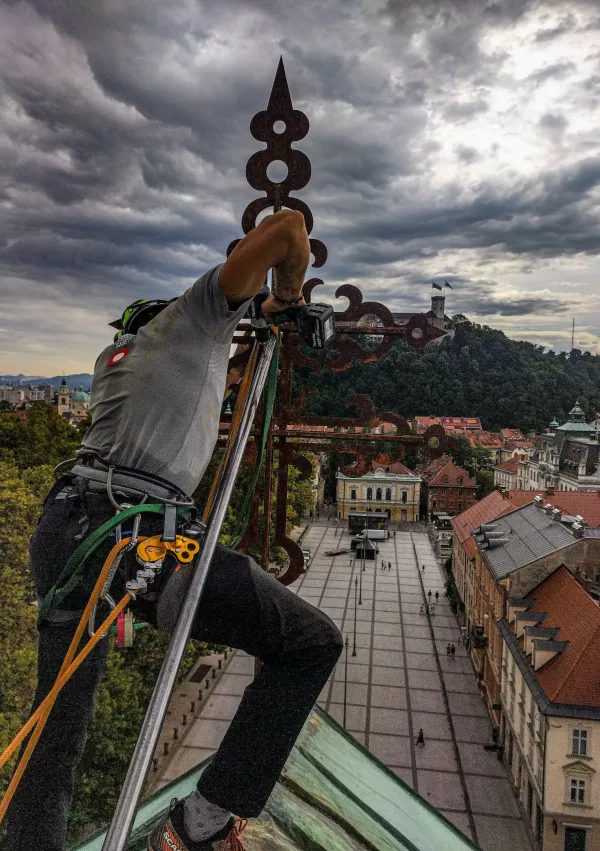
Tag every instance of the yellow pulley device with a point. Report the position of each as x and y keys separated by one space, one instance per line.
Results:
x=151 y=550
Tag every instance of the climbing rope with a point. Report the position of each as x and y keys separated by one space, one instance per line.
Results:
x=70 y=664
x=74 y=571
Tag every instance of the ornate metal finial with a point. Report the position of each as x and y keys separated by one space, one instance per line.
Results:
x=279 y=148
x=292 y=429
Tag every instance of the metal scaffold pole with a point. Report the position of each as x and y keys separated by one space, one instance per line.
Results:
x=122 y=822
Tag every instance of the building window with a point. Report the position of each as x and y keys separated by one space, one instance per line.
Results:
x=577 y=792
x=378 y=493
x=443 y=491
x=353 y=493
x=369 y=493
x=433 y=504
x=460 y=491
x=580 y=742
x=575 y=838
x=388 y=494
x=445 y=479
x=460 y=480
x=404 y=496
x=460 y=506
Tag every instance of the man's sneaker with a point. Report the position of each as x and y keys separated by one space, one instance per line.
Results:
x=170 y=834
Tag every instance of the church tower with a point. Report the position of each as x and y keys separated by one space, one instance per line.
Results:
x=64 y=398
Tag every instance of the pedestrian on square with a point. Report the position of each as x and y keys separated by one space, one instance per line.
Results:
x=447 y=649
x=394 y=533
x=429 y=595
x=437 y=596
x=432 y=609
x=423 y=568
x=421 y=612
x=389 y=565
x=452 y=650
x=420 y=738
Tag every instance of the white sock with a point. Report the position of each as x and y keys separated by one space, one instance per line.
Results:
x=203 y=819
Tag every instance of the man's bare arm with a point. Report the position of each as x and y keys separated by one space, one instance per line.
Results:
x=279 y=242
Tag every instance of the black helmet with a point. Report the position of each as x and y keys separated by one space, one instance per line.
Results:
x=138 y=314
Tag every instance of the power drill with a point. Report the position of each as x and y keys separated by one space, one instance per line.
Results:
x=315 y=322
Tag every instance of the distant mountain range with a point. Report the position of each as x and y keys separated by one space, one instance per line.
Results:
x=73 y=381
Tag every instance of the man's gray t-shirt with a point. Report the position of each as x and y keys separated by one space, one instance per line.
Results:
x=156 y=401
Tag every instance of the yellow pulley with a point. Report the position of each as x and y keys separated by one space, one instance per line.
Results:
x=155 y=549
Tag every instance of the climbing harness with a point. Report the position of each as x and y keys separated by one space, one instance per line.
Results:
x=180 y=539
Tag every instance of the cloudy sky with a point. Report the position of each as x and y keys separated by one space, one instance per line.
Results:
x=449 y=139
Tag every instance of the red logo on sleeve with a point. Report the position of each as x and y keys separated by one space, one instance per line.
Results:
x=118 y=357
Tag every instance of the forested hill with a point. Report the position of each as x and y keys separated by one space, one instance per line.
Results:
x=480 y=373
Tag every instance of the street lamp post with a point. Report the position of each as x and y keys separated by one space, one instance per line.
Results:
x=360 y=584
x=345 y=682
x=355 y=599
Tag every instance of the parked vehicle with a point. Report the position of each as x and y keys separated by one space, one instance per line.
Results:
x=374 y=534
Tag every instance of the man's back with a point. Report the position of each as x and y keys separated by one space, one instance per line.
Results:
x=156 y=400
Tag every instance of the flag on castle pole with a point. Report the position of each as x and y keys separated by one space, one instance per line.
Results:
x=446 y=284
x=435 y=286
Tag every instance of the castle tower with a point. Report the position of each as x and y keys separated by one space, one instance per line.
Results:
x=438 y=306
x=64 y=398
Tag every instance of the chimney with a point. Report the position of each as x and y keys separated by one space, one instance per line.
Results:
x=497 y=542
x=577 y=530
x=556 y=514
x=550 y=490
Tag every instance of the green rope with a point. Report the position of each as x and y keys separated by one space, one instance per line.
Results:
x=72 y=573
x=271 y=392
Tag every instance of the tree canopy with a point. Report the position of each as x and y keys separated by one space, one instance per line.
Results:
x=479 y=373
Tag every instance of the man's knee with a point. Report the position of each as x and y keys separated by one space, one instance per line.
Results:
x=329 y=636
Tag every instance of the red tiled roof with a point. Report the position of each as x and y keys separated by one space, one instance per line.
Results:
x=483 y=439
x=587 y=505
x=449 y=423
x=453 y=473
x=571 y=676
x=396 y=468
x=510 y=466
x=520 y=444
x=510 y=433
x=453 y=423
x=484 y=511
x=428 y=471
x=423 y=423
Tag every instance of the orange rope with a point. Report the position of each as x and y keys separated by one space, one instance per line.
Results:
x=40 y=716
x=69 y=666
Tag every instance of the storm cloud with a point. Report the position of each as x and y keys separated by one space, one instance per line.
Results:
x=449 y=138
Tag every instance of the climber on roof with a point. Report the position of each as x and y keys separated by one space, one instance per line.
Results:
x=155 y=405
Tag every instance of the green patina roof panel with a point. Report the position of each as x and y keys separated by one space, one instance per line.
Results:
x=333 y=796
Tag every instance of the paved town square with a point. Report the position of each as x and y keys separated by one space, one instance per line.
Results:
x=399 y=681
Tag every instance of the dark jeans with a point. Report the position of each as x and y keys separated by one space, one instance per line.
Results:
x=241 y=607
